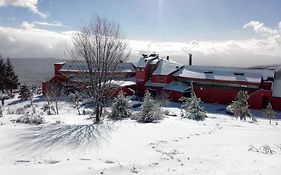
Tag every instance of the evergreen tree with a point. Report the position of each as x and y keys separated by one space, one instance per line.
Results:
x=120 y=109
x=11 y=79
x=269 y=112
x=150 y=110
x=25 y=93
x=191 y=108
x=2 y=74
x=240 y=106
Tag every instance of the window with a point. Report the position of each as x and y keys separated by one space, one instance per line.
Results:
x=208 y=72
x=239 y=73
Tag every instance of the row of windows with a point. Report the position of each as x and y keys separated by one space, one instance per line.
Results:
x=140 y=69
x=140 y=80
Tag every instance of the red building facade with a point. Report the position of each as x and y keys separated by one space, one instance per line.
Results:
x=162 y=76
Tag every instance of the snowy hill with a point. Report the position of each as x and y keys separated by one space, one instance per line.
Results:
x=219 y=145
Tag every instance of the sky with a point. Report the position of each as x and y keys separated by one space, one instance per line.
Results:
x=217 y=32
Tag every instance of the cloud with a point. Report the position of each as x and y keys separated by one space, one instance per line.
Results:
x=30 y=4
x=265 y=48
x=28 y=25
x=261 y=29
x=30 y=42
x=54 y=24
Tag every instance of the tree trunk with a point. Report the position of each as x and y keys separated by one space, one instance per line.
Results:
x=57 y=109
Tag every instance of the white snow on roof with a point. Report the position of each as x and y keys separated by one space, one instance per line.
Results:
x=177 y=86
x=143 y=61
x=222 y=73
x=123 y=83
x=276 y=90
x=166 y=67
x=81 y=66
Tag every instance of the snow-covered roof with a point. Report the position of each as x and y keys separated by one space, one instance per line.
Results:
x=177 y=86
x=123 y=83
x=81 y=66
x=166 y=67
x=224 y=73
x=276 y=90
x=152 y=84
x=144 y=60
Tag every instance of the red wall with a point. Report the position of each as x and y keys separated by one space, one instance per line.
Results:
x=57 y=68
x=214 y=95
x=165 y=78
x=276 y=103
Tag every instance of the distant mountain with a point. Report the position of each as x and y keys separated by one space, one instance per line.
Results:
x=34 y=71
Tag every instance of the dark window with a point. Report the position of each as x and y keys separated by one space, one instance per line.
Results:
x=208 y=72
x=239 y=73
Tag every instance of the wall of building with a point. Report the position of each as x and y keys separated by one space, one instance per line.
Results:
x=162 y=78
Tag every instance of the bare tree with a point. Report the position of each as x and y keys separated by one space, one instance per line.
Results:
x=54 y=93
x=102 y=47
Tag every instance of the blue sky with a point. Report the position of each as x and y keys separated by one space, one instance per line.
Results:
x=228 y=30
x=160 y=20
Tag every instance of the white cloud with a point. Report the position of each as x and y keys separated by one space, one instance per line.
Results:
x=54 y=24
x=27 y=25
x=29 y=41
x=30 y=4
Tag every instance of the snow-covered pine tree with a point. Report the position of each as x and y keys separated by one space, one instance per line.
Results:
x=150 y=110
x=120 y=109
x=2 y=74
x=191 y=108
x=269 y=112
x=25 y=93
x=240 y=106
x=11 y=79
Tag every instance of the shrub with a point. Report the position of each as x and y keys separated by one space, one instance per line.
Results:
x=20 y=111
x=191 y=108
x=120 y=109
x=150 y=110
x=30 y=119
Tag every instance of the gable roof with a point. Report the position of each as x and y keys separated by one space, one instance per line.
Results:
x=224 y=73
x=166 y=67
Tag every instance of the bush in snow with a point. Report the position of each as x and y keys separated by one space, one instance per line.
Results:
x=191 y=108
x=269 y=112
x=150 y=110
x=30 y=119
x=20 y=111
x=240 y=106
x=120 y=109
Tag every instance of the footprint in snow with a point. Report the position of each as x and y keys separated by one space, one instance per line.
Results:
x=84 y=159
x=109 y=161
x=52 y=162
x=22 y=161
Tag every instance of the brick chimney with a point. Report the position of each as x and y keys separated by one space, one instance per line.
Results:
x=190 y=59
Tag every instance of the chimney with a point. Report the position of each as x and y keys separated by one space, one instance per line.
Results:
x=190 y=59
x=168 y=58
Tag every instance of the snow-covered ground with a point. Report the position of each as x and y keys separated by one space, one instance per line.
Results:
x=66 y=144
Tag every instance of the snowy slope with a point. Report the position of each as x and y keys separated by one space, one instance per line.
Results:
x=218 y=145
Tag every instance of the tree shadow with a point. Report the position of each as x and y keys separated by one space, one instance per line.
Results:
x=46 y=138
